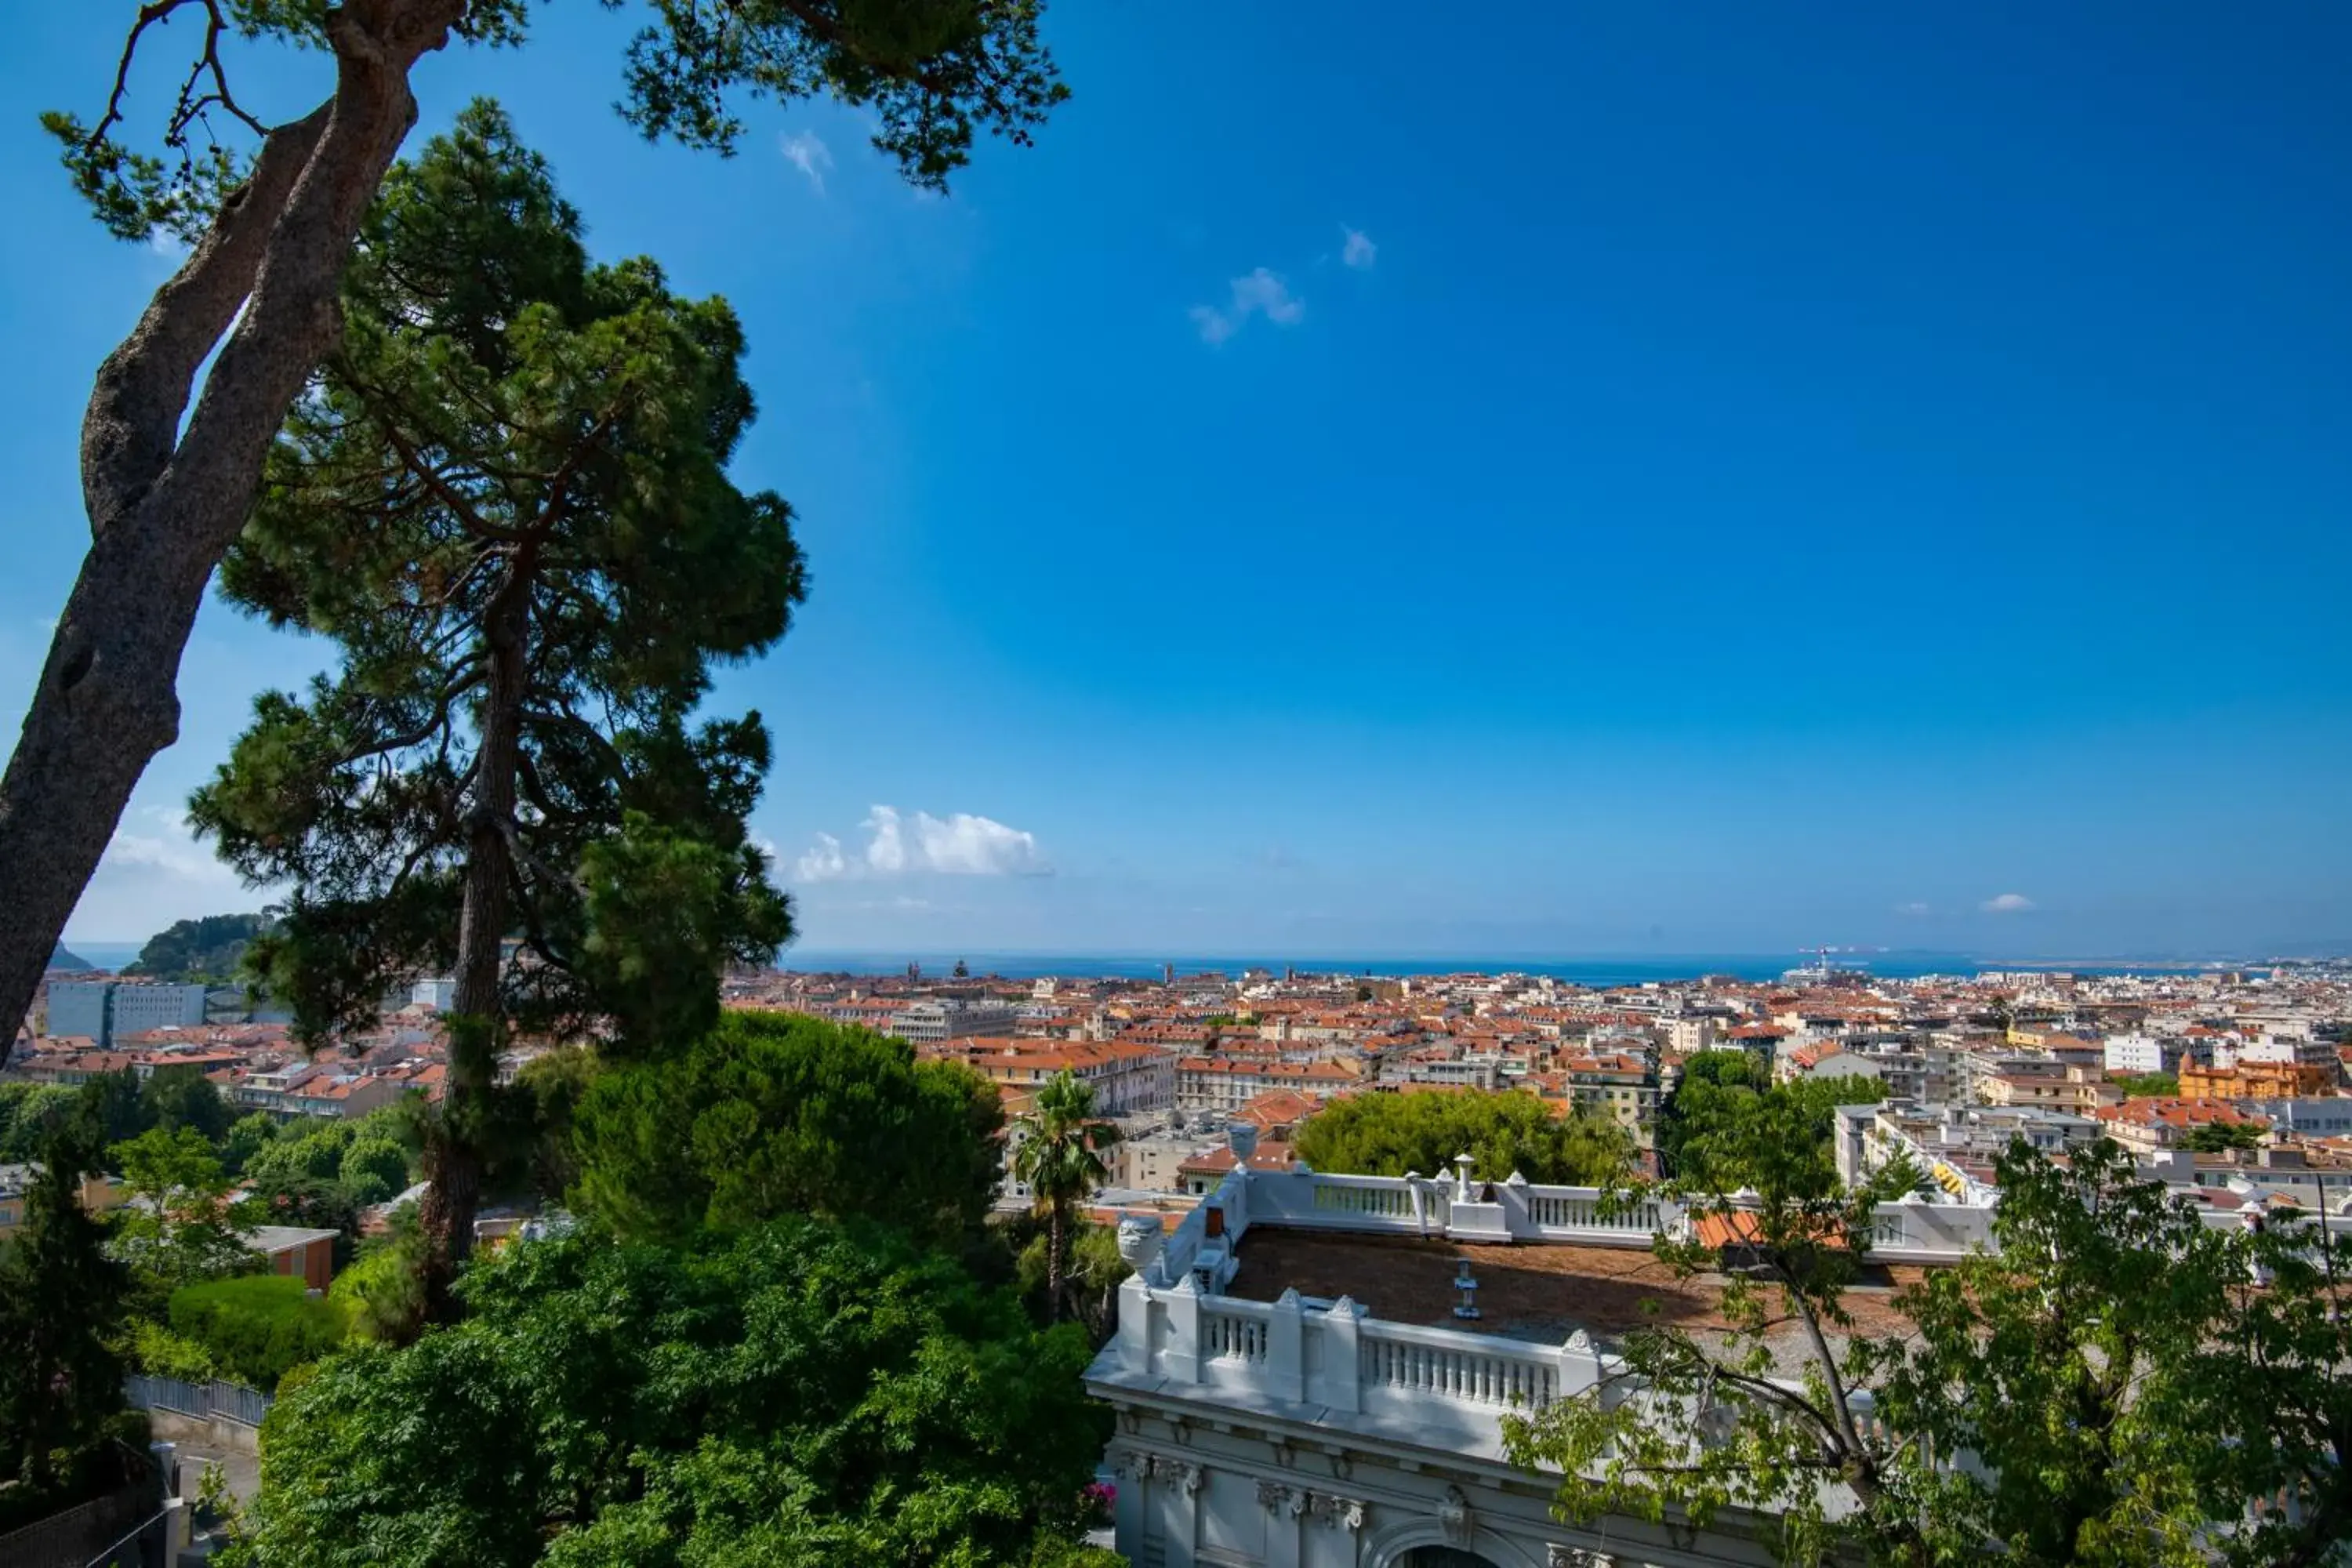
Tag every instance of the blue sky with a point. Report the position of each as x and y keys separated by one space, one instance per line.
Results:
x=1755 y=475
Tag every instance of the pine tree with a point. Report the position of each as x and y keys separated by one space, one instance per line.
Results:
x=504 y=500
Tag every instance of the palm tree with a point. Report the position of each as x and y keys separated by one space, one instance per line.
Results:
x=1060 y=1159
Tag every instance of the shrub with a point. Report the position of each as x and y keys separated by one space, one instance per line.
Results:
x=257 y=1327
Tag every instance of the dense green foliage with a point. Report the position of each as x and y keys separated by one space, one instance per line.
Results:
x=209 y=948
x=322 y=1171
x=1719 y=1093
x=61 y=1305
x=2126 y=1385
x=257 y=1327
x=1504 y=1131
x=780 y=1113
x=171 y=1097
x=791 y=1395
x=381 y=1294
x=535 y=1153
x=2149 y=1085
x=1061 y=1154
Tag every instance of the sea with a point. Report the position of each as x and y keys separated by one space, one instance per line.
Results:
x=1597 y=970
x=107 y=955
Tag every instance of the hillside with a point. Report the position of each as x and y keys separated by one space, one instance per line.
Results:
x=65 y=959
x=207 y=949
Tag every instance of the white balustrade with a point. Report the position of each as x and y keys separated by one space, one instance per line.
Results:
x=1232 y=1331
x=1471 y=1368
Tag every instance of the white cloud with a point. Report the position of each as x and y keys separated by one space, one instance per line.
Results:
x=898 y=844
x=2007 y=904
x=823 y=862
x=1261 y=293
x=1914 y=907
x=154 y=872
x=168 y=846
x=1359 y=252
x=806 y=151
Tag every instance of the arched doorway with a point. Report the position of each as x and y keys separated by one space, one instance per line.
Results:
x=1443 y=1557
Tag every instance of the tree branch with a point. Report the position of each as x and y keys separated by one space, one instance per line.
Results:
x=134 y=420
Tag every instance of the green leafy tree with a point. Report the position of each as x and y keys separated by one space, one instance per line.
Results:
x=208 y=949
x=791 y=1394
x=381 y=1294
x=1094 y=1273
x=114 y=1102
x=62 y=1300
x=302 y=1151
x=373 y=1170
x=2266 y=1392
x=1504 y=1131
x=2089 y=1394
x=34 y=1113
x=780 y=1113
x=505 y=500
x=179 y=1223
x=184 y=414
x=181 y=1095
x=2223 y=1136
x=1061 y=1154
x=1719 y=1090
x=248 y=1136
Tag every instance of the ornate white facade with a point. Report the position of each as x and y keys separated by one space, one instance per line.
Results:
x=1308 y=1434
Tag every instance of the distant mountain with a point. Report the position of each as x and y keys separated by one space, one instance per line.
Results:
x=208 y=949
x=65 y=959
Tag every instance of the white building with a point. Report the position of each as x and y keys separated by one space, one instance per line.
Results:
x=100 y=1010
x=922 y=1022
x=1261 y=1427
x=2137 y=1053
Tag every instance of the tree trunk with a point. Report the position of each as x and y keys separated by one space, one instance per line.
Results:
x=163 y=505
x=1056 y=1226
x=476 y=1024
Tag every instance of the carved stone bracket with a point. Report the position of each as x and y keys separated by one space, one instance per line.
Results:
x=1454 y=1517
x=1275 y=1498
x=1579 y=1557
x=1334 y=1512
x=1179 y=1473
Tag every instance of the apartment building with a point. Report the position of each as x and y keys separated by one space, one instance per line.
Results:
x=2256 y=1081
x=928 y=1022
x=1126 y=1077
x=1619 y=1085
x=104 y=1009
x=1222 y=1083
